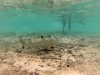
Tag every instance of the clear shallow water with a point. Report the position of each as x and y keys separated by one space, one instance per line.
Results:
x=46 y=15
x=43 y=16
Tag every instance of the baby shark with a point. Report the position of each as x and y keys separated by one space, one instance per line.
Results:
x=40 y=45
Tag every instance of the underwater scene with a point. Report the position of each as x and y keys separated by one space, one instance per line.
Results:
x=49 y=37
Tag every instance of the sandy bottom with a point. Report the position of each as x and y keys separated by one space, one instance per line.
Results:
x=77 y=55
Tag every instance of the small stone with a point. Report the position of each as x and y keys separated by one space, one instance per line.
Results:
x=31 y=73
x=69 y=52
x=41 y=65
x=10 y=53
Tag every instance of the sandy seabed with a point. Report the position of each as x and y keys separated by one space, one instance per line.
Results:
x=77 y=55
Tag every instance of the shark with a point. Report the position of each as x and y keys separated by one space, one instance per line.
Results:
x=40 y=45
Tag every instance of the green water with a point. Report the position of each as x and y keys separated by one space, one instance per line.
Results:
x=46 y=16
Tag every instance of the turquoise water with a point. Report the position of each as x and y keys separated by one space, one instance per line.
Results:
x=46 y=16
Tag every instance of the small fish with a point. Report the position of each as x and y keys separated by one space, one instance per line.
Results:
x=82 y=23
